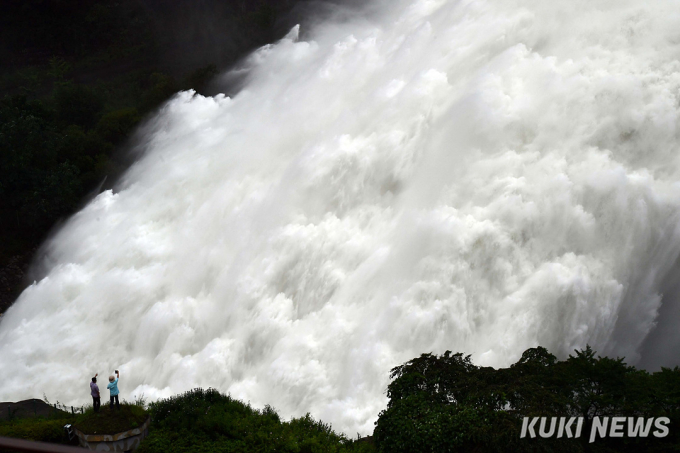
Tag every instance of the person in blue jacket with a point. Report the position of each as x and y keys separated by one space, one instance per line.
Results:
x=113 y=387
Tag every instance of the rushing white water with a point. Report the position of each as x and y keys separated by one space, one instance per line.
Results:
x=479 y=176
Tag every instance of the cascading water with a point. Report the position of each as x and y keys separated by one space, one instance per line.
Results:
x=479 y=176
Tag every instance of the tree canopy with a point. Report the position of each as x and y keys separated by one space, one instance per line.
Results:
x=448 y=404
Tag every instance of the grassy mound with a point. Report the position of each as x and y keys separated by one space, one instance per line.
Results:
x=36 y=428
x=206 y=421
x=108 y=421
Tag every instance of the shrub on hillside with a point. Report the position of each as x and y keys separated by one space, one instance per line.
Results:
x=447 y=404
x=39 y=429
x=208 y=421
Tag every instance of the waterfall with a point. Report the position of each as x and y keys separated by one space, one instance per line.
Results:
x=472 y=175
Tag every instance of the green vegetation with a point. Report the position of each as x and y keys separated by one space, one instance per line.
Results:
x=51 y=428
x=42 y=429
x=107 y=421
x=447 y=404
x=208 y=421
x=199 y=420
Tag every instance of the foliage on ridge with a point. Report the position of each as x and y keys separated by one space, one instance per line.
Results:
x=447 y=404
x=208 y=421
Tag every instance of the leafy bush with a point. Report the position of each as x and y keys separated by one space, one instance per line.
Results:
x=448 y=404
x=208 y=421
x=35 y=429
x=44 y=429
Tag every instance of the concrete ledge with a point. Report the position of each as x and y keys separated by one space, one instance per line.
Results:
x=125 y=441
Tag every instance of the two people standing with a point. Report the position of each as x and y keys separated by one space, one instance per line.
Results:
x=113 y=390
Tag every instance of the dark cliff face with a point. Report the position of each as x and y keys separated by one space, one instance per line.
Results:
x=191 y=33
x=175 y=35
x=181 y=34
x=12 y=276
